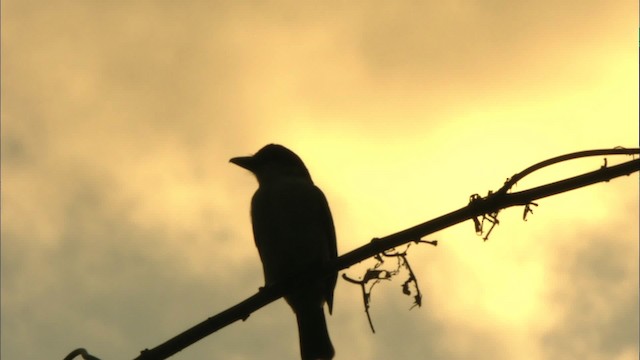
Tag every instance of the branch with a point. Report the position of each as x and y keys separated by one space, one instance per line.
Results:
x=487 y=205
x=80 y=352
x=576 y=155
x=479 y=206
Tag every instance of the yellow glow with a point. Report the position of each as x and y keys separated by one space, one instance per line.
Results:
x=119 y=118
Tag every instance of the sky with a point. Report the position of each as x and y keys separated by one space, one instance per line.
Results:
x=123 y=223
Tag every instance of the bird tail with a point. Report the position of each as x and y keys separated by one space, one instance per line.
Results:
x=314 y=337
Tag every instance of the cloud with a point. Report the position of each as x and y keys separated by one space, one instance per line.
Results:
x=123 y=223
x=597 y=296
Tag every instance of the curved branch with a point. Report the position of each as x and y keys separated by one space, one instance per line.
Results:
x=576 y=155
x=80 y=352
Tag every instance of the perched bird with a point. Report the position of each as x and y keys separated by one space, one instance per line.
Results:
x=294 y=232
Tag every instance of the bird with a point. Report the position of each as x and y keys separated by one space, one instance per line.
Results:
x=294 y=232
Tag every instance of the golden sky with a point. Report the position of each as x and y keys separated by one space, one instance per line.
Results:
x=123 y=223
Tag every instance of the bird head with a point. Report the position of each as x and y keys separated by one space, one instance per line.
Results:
x=274 y=162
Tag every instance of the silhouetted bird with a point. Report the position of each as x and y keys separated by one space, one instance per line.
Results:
x=294 y=232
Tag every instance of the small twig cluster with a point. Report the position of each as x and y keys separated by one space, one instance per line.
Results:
x=376 y=274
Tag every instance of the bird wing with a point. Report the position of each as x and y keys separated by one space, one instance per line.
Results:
x=324 y=214
x=293 y=229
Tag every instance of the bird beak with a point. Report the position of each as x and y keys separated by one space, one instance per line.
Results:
x=246 y=162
